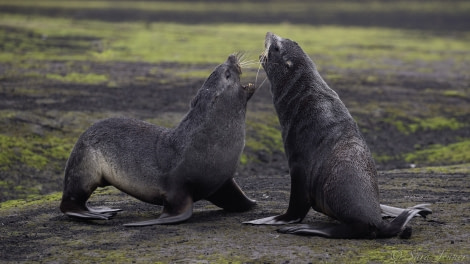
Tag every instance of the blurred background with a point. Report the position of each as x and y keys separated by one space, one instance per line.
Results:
x=401 y=67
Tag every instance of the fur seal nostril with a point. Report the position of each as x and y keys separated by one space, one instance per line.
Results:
x=170 y=167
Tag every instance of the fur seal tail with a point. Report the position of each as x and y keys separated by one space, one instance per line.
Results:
x=357 y=230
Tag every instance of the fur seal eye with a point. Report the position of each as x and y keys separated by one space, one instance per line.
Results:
x=227 y=74
x=276 y=48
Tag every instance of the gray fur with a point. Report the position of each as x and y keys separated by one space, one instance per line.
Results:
x=170 y=167
x=331 y=167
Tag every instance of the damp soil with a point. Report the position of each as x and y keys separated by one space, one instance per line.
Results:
x=38 y=232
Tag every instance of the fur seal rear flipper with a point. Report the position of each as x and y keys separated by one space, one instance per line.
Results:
x=390 y=211
x=331 y=167
x=170 y=167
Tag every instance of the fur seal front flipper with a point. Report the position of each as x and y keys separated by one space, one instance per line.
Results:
x=171 y=167
x=331 y=167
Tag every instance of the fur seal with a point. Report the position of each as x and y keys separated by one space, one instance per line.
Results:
x=331 y=167
x=170 y=167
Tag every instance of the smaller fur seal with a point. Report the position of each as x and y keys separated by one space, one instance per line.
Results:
x=170 y=167
x=331 y=167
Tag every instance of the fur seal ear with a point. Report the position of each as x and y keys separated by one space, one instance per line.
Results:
x=195 y=101
x=287 y=62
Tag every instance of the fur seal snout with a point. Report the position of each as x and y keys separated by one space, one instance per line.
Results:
x=171 y=167
x=331 y=167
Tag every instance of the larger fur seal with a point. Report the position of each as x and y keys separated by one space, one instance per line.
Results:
x=170 y=167
x=331 y=167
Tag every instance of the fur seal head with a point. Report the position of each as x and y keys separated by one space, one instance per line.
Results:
x=283 y=58
x=223 y=86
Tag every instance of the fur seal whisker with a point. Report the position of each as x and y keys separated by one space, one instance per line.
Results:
x=248 y=63
x=263 y=82
x=262 y=57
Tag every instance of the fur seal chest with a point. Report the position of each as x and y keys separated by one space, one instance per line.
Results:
x=170 y=167
x=331 y=167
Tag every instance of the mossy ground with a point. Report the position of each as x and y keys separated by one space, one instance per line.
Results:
x=35 y=230
x=65 y=65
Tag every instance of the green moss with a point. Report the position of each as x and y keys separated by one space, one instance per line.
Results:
x=89 y=78
x=264 y=134
x=407 y=125
x=437 y=123
x=382 y=158
x=454 y=93
x=300 y=7
x=244 y=159
x=32 y=200
x=450 y=169
x=167 y=119
x=343 y=47
x=226 y=258
x=334 y=77
x=400 y=253
x=439 y=154
x=33 y=151
x=387 y=254
x=193 y=74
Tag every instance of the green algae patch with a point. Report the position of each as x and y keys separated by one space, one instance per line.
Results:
x=441 y=154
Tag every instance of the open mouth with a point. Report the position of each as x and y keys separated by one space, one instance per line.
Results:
x=249 y=88
x=263 y=58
